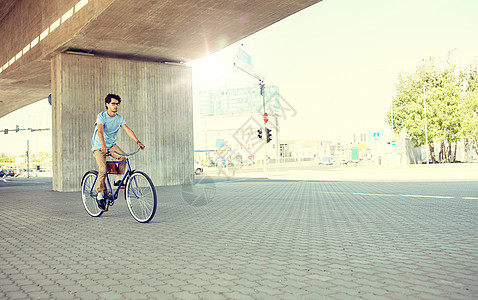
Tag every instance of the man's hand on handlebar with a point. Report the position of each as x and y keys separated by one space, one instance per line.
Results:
x=105 y=149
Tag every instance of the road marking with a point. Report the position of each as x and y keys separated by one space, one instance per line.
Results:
x=413 y=196
x=425 y=196
x=470 y=198
x=368 y=194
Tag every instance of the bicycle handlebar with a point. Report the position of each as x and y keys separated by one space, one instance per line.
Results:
x=124 y=154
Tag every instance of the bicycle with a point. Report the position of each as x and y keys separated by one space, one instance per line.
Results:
x=139 y=191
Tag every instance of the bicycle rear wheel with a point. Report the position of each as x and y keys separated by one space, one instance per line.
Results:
x=140 y=197
x=88 y=194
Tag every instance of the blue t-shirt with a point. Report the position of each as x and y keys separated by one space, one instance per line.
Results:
x=111 y=126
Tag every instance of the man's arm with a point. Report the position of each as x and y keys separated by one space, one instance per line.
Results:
x=131 y=134
x=101 y=137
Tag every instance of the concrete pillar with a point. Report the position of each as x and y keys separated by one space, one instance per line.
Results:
x=156 y=104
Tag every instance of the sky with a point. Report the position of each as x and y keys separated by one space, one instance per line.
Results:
x=36 y=115
x=335 y=63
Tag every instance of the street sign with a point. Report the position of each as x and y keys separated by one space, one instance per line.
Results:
x=243 y=62
x=355 y=154
x=244 y=56
x=266 y=118
x=220 y=143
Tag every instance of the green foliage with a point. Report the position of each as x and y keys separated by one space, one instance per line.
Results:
x=40 y=157
x=469 y=110
x=451 y=100
x=6 y=159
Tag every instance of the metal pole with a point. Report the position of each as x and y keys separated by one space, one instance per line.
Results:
x=264 y=136
x=264 y=132
x=277 y=141
x=28 y=158
x=426 y=125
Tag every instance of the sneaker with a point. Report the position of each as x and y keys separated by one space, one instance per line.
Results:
x=101 y=201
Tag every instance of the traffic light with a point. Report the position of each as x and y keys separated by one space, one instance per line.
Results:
x=259 y=133
x=17 y=129
x=269 y=135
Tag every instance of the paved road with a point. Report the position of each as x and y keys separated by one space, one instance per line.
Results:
x=247 y=239
x=354 y=172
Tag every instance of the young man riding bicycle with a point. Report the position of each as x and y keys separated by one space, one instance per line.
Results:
x=104 y=137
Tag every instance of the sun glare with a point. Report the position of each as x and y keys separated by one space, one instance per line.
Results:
x=210 y=71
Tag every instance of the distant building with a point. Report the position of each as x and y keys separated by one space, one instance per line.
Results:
x=238 y=101
x=316 y=150
x=229 y=120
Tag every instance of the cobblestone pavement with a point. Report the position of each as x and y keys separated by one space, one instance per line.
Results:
x=247 y=239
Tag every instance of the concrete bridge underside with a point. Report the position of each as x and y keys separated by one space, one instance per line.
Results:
x=121 y=44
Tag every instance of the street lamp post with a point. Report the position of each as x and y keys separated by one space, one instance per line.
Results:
x=426 y=125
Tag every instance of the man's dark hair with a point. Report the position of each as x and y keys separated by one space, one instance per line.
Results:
x=112 y=96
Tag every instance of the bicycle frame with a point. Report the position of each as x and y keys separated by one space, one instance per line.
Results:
x=114 y=195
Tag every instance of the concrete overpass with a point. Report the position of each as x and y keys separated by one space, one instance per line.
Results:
x=80 y=50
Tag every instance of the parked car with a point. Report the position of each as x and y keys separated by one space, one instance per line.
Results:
x=9 y=172
x=325 y=161
x=247 y=162
x=198 y=169
x=210 y=163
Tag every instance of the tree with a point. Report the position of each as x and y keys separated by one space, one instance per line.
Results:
x=6 y=159
x=442 y=100
x=444 y=124
x=469 y=111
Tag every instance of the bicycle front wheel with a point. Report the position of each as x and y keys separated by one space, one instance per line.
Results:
x=88 y=194
x=140 y=197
